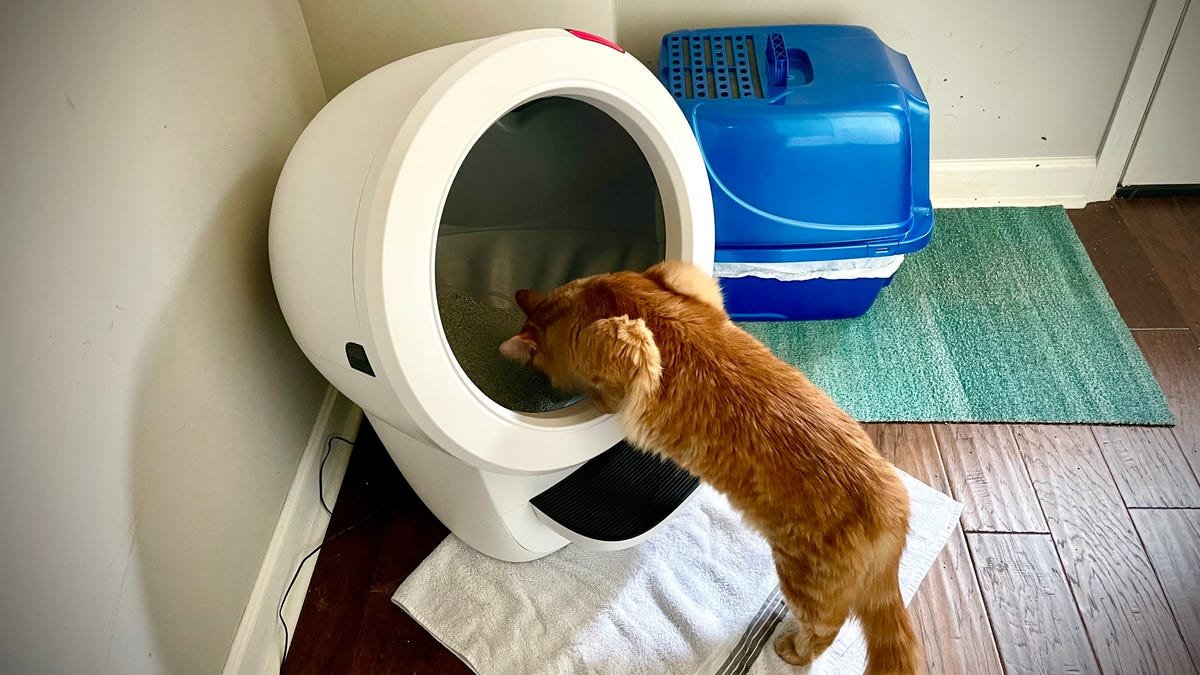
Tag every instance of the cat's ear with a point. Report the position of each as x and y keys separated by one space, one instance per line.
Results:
x=687 y=279
x=520 y=347
x=528 y=300
x=618 y=359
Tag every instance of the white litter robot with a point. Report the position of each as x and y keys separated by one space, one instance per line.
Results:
x=410 y=211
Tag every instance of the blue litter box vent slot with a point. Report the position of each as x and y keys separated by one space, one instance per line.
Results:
x=713 y=67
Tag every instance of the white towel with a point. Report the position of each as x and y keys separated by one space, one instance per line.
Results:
x=697 y=597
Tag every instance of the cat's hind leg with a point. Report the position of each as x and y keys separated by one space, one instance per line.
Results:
x=819 y=610
x=813 y=635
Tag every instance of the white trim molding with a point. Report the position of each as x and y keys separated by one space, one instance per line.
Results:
x=1023 y=181
x=1158 y=34
x=258 y=645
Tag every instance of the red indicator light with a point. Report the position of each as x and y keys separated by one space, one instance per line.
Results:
x=584 y=35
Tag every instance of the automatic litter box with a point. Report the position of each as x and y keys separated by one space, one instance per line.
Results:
x=407 y=215
x=816 y=140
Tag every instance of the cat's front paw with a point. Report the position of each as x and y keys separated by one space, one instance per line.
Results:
x=785 y=647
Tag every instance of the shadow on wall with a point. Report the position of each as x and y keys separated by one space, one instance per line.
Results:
x=224 y=408
x=353 y=39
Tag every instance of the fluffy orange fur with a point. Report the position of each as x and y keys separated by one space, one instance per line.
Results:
x=659 y=349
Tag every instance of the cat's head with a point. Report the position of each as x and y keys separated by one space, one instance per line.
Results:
x=590 y=335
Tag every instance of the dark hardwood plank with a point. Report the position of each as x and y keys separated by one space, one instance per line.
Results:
x=348 y=623
x=1172 y=539
x=1119 y=597
x=1166 y=228
x=1148 y=466
x=1037 y=626
x=1188 y=209
x=988 y=476
x=1174 y=356
x=912 y=448
x=1127 y=273
x=948 y=608
x=951 y=618
x=1189 y=206
x=390 y=641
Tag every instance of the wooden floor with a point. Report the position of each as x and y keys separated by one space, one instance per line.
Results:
x=1079 y=550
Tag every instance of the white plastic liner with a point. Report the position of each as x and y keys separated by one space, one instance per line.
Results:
x=880 y=267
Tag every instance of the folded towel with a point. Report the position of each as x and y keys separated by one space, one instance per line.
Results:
x=700 y=596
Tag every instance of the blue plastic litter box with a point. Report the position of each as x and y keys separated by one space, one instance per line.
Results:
x=816 y=140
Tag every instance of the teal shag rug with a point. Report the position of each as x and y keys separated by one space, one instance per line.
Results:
x=1002 y=318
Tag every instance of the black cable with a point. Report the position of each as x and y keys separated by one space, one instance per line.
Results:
x=286 y=636
x=321 y=471
x=306 y=558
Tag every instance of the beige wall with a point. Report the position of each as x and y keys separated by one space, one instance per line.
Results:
x=999 y=75
x=353 y=38
x=154 y=405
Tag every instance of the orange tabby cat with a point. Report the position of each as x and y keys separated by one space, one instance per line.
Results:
x=658 y=349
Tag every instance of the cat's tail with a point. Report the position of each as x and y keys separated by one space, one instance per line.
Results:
x=892 y=646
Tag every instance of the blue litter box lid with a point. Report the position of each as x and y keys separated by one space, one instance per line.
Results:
x=816 y=140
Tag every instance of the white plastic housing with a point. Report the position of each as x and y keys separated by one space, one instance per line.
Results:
x=356 y=216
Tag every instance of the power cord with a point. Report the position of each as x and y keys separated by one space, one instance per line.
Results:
x=362 y=521
x=321 y=471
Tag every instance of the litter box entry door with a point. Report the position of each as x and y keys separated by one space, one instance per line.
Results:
x=554 y=190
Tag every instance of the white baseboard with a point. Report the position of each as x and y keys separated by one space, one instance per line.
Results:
x=1026 y=181
x=258 y=644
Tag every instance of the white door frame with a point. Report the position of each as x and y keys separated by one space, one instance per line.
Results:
x=1149 y=61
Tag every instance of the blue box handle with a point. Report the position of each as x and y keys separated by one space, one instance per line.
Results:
x=777 y=61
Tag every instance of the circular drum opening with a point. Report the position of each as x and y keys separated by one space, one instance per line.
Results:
x=554 y=190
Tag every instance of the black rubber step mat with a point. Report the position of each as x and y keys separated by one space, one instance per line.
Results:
x=617 y=495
